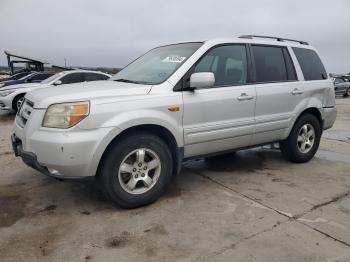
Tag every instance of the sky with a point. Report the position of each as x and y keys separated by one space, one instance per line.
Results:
x=111 y=33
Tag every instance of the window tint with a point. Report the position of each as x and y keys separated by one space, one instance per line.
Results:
x=338 y=81
x=19 y=75
x=40 y=76
x=270 y=64
x=72 y=78
x=310 y=64
x=94 y=77
x=228 y=63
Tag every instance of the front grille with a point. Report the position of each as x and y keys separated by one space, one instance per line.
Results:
x=24 y=113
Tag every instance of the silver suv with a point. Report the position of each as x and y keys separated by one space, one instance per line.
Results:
x=177 y=102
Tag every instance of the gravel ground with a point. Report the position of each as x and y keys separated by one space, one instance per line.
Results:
x=252 y=206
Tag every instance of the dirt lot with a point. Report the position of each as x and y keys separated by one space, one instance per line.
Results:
x=252 y=206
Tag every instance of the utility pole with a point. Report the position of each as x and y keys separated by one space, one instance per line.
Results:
x=65 y=62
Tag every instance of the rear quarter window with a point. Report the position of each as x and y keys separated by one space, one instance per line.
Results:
x=310 y=63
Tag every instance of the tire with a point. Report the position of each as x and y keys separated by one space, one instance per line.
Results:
x=299 y=139
x=121 y=167
x=16 y=104
x=347 y=93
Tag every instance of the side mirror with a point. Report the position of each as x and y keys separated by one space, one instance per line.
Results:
x=202 y=80
x=57 y=83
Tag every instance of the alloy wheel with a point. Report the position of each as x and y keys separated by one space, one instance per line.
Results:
x=306 y=138
x=139 y=171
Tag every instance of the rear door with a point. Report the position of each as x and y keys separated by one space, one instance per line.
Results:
x=278 y=91
x=221 y=117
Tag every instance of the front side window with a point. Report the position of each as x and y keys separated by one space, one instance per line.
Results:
x=157 y=65
x=72 y=78
x=227 y=62
x=271 y=65
x=310 y=64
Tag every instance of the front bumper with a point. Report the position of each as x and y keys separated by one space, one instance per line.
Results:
x=30 y=159
x=4 y=105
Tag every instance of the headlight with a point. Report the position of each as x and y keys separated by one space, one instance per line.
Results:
x=66 y=115
x=6 y=93
x=2 y=84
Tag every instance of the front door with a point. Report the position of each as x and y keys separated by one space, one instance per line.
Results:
x=221 y=117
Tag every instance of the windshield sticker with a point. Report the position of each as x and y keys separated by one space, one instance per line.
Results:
x=174 y=59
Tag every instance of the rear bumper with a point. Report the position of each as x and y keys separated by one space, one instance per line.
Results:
x=329 y=116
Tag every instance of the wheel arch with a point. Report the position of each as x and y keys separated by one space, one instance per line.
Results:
x=158 y=130
x=311 y=110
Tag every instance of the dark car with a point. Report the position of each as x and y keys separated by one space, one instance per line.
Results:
x=341 y=87
x=16 y=76
x=36 y=77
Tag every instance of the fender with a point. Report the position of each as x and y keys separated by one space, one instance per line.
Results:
x=127 y=120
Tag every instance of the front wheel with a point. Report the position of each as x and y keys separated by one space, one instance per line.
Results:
x=303 y=141
x=136 y=170
x=17 y=102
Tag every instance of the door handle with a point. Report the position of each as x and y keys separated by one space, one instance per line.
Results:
x=296 y=91
x=244 y=97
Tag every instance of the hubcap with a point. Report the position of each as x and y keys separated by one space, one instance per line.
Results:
x=139 y=171
x=19 y=102
x=306 y=138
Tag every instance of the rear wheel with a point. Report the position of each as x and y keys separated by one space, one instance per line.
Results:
x=17 y=102
x=303 y=141
x=347 y=93
x=136 y=170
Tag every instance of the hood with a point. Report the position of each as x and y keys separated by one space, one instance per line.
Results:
x=11 y=87
x=96 y=90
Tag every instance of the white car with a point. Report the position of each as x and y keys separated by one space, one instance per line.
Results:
x=175 y=103
x=11 y=97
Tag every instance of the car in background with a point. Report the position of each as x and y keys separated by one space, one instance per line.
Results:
x=35 y=77
x=11 y=97
x=341 y=87
x=16 y=76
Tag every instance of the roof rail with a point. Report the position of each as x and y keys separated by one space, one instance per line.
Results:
x=281 y=39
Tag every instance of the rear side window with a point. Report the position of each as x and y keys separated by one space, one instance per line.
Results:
x=272 y=64
x=95 y=77
x=310 y=64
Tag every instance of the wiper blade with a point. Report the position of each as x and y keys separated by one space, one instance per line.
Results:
x=126 y=81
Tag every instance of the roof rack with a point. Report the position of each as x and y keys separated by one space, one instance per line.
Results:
x=281 y=39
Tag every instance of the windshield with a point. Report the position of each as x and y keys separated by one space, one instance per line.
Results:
x=51 y=78
x=157 y=65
